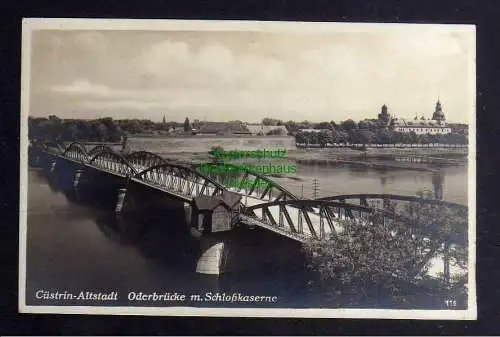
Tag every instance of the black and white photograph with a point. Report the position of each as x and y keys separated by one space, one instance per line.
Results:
x=248 y=169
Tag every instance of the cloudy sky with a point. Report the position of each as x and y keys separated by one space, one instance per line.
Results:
x=249 y=75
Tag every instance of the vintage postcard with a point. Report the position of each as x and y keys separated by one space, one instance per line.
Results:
x=249 y=169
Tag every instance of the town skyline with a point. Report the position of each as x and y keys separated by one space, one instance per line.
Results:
x=247 y=75
x=164 y=119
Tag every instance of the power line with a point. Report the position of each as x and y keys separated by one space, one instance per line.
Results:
x=315 y=188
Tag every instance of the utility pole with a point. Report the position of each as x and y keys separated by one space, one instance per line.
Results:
x=315 y=188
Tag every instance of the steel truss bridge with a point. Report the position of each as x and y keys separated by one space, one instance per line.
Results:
x=265 y=203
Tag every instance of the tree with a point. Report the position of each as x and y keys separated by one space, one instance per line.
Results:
x=367 y=125
x=348 y=125
x=366 y=136
x=300 y=138
x=361 y=137
x=373 y=259
x=413 y=137
x=291 y=126
x=383 y=136
x=322 y=125
x=275 y=132
x=323 y=138
x=336 y=136
x=187 y=126
x=271 y=121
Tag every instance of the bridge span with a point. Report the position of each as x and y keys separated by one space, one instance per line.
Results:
x=264 y=203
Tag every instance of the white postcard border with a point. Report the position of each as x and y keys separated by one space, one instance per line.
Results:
x=31 y=24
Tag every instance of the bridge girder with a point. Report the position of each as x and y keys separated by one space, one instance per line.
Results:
x=113 y=162
x=99 y=148
x=145 y=159
x=180 y=179
x=76 y=151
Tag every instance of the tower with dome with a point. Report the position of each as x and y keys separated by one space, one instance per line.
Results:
x=437 y=125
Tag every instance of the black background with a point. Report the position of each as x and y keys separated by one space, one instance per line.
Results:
x=485 y=14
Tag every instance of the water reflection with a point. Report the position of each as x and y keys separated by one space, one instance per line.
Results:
x=152 y=236
x=438 y=184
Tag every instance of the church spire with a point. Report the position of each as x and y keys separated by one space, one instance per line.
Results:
x=438 y=112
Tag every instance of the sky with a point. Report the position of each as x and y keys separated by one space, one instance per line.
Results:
x=222 y=75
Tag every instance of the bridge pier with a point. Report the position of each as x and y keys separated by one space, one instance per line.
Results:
x=122 y=193
x=63 y=173
x=76 y=181
x=137 y=197
x=244 y=250
x=213 y=257
x=97 y=188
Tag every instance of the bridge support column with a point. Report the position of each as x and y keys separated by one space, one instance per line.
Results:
x=241 y=250
x=133 y=197
x=187 y=213
x=214 y=253
x=76 y=181
x=52 y=166
x=122 y=193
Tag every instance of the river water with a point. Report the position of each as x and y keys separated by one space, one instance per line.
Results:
x=76 y=247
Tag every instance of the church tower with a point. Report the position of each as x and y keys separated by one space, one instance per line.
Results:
x=438 y=113
x=383 y=116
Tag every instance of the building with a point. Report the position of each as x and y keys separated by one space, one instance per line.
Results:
x=215 y=213
x=314 y=130
x=383 y=117
x=222 y=128
x=262 y=130
x=435 y=126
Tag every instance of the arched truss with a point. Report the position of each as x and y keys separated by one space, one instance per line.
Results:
x=239 y=179
x=76 y=151
x=142 y=160
x=180 y=180
x=99 y=148
x=294 y=219
x=112 y=162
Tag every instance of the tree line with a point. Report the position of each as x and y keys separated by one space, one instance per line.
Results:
x=106 y=129
x=363 y=132
x=357 y=136
x=375 y=132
